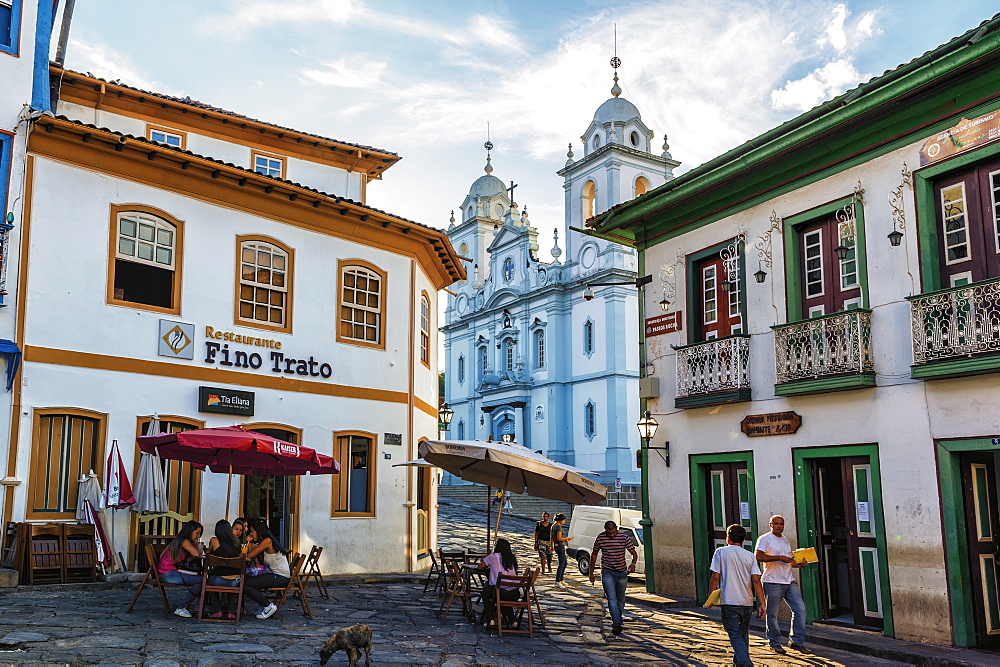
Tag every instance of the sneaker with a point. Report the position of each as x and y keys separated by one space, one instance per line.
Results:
x=267 y=612
x=777 y=648
x=231 y=615
x=616 y=629
x=800 y=648
x=182 y=612
x=215 y=614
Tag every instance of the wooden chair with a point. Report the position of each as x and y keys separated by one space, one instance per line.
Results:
x=523 y=602
x=79 y=553
x=140 y=548
x=457 y=588
x=311 y=570
x=163 y=523
x=237 y=563
x=45 y=558
x=534 y=596
x=14 y=547
x=153 y=553
x=295 y=585
x=445 y=556
x=436 y=573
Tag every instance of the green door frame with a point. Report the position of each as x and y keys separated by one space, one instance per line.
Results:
x=956 y=535
x=699 y=510
x=805 y=510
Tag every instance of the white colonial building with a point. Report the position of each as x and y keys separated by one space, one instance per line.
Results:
x=173 y=253
x=526 y=353
x=839 y=281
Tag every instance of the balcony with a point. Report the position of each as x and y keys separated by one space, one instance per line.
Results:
x=956 y=331
x=824 y=354
x=713 y=372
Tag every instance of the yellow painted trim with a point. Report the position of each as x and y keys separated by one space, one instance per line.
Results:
x=424 y=406
x=91 y=92
x=289 y=278
x=36 y=452
x=237 y=189
x=345 y=465
x=13 y=442
x=254 y=154
x=344 y=264
x=117 y=210
x=43 y=355
x=168 y=130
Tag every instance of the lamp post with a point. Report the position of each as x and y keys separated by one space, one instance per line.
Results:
x=444 y=418
x=647 y=427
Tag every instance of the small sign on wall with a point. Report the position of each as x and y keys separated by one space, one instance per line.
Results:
x=392 y=438
x=774 y=423
x=176 y=340
x=225 y=401
x=663 y=324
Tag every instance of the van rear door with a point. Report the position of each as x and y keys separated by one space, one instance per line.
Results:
x=636 y=535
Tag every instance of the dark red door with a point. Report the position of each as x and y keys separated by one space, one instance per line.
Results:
x=829 y=284
x=979 y=482
x=718 y=309
x=968 y=209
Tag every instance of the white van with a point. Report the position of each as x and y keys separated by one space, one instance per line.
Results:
x=588 y=522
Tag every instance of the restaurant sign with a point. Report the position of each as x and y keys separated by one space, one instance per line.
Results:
x=773 y=423
x=965 y=136
x=662 y=324
x=225 y=401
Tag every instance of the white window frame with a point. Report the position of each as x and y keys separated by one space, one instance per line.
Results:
x=157 y=246
x=167 y=136
x=995 y=201
x=588 y=337
x=273 y=165
x=818 y=247
x=358 y=309
x=709 y=295
x=964 y=230
x=589 y=419
x=258 y=247
x=540 y=348
x=848 y=265
x=425 y=329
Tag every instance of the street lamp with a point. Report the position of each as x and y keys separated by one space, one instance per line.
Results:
x=444 y=417
x=665 y=304
x=842 y=251
x=647 y=427
x=895 y=237
x=588 y=294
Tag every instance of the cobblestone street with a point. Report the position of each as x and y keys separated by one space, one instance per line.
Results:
x=81 y=624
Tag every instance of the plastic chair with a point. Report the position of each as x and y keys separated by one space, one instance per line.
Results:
x=237 y=563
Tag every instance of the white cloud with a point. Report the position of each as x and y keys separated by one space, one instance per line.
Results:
x=107 y=63
x=818 y=86
x=249 y=14
x=340 y=73
x=836 y=33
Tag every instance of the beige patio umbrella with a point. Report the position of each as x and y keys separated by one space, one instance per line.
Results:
x=89 y=489
x=514 y=468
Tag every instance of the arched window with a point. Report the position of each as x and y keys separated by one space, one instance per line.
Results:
x=460 y=433
x=472 y=213
x=590 y=419
x=641 y=186
x=482 y=362
x=509 y=347
x=145 y=260
x=264 y=284
x=539 y=349
x=589 y=199
x=588 y=337
x=461 y=370
x=463 y=250
x=362 y=290
x=425 y=330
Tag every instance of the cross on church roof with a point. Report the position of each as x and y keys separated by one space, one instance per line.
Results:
x=510 y=192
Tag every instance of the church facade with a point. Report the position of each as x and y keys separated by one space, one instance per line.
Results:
x=528 y=355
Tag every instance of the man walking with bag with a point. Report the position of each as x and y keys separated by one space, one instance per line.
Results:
x=774 y=551
x=734 y=570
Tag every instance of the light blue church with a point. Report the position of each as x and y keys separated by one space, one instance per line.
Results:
x=526 y=354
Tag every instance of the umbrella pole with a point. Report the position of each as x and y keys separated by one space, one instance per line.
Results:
x=229 y=486
x=500 y=504
x=489 y=496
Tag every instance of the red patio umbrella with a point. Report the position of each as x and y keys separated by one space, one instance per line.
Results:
x=235 y=450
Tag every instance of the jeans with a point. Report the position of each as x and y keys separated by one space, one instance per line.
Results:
x=615 y=582
x=790 y=593
x=191 y=581
x=736 y=621
x=561 y=555
x=490 y=604
x=220 y=601
x=252 y=585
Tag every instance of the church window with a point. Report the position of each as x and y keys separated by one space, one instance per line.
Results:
x=461 y=370
x=269 y=165
x=589 y=197
x=162 y=135
x=145 y=249
x=362 y=287
x=641 y=185
x=634 y=138
x=425 y=330
x=499 y=210
x=597 y=141
x=588 y=337
x=10 y=26
x=461 y=430
x=539 y=349
x=264 y=284
x=464 y=249
x=482 y=363
x=472 y=213
x=508 y=355
x=590 y=419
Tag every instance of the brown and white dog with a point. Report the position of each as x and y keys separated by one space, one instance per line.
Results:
x=350 y=640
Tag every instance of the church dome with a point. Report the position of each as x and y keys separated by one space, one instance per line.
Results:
x=616 y=110
x=487 y=186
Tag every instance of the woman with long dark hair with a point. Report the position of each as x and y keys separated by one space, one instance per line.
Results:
x=241 y=529
x=183 y=546
x=276 y=562
x=225 y=544
x=501 y=561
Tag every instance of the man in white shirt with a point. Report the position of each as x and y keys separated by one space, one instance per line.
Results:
x=736 y=569
x=774 y=551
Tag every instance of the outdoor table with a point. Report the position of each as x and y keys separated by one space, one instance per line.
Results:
x=468 y=572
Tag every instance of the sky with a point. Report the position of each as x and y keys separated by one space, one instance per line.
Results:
x=424 y=78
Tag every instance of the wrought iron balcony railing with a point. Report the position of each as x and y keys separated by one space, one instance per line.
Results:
x=957 y=322
x=837 y=344
x=715 y=365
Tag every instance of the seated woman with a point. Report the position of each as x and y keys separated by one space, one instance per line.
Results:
x=267 y=547
x=241 y=529
x=225 y=544
x=501 y=561
x=182 y=547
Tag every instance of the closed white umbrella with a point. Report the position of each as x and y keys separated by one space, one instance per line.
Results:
x=89 y=489
x=150 y=486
